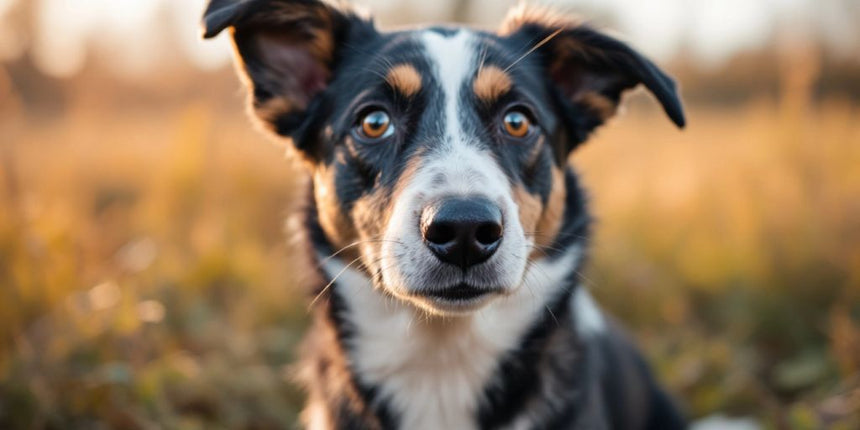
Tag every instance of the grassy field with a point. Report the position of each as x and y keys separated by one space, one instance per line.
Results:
x=146 y=278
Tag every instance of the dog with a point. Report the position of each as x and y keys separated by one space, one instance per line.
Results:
x=446 y=222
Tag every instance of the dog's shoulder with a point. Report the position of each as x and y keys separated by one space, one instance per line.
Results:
x=624 y=383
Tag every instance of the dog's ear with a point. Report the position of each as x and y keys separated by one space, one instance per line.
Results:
x=589 y=70
x=287 y=52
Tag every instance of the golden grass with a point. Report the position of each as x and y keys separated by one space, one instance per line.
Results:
x=146 y=279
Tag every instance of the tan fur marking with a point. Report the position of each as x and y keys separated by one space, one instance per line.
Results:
x=321 y=362
x=337 y=227
x=524 y=13
x=405 y=79
x=597 y=104
x=530 y=209
x=539 y=221
x=491 y=83
x=272 y=109
x=550 y=221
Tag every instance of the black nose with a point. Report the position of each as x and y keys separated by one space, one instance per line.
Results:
x=463 y=232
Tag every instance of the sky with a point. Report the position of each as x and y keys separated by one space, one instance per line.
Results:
x=710 y=30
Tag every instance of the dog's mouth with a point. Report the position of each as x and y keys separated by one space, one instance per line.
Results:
x=457 y=298
x=460 y=292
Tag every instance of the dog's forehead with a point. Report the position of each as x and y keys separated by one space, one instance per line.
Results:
x=438 y=54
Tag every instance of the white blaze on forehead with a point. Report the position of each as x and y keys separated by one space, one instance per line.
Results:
x=466 y=168
x=454 y=57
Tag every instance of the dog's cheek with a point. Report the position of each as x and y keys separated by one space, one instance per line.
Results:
x=550 y=220
x=371 y=214
x=540 y=221
x=530 y=209
x=331 y=212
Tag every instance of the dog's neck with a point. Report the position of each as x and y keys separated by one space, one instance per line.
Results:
x=433 y=370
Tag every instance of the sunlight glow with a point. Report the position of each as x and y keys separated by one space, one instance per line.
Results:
x=5 y=5
x=60 y=41
x=134 y=32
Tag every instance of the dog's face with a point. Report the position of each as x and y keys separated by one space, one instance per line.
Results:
x=438 y=155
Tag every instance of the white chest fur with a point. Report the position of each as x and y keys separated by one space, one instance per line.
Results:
x=433 y=371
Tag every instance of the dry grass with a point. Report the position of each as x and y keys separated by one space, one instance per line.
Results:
x=146 y=279
x=732 y=250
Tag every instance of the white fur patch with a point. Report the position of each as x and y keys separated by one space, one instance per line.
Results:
x=455 y=61
x=433 y=370
x=587 y=316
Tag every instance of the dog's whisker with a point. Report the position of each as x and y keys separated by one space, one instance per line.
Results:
x=552 y=314
x=324 y=289
x=535 y=48
x=357 y=243
x=558 y=236
x=334 y=280
x=584 y=278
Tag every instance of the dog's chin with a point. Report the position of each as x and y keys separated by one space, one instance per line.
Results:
x=458 y=300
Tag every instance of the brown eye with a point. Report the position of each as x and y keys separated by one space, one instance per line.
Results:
x=517 y=124
x=376 y=125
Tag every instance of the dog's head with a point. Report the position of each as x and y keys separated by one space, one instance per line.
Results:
x=438 y=154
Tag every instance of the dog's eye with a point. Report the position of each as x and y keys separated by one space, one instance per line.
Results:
x=376 y=125
x=517 y=124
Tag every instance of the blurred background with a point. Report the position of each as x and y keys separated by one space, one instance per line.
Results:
x=146 y=280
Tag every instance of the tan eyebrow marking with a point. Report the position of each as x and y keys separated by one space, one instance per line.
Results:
x=405 y=79
x=491 y=83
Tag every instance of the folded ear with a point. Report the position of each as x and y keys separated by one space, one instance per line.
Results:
x=287 y=50
x=589 y=70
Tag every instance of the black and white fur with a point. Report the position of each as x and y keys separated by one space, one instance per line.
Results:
x=384 y=351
